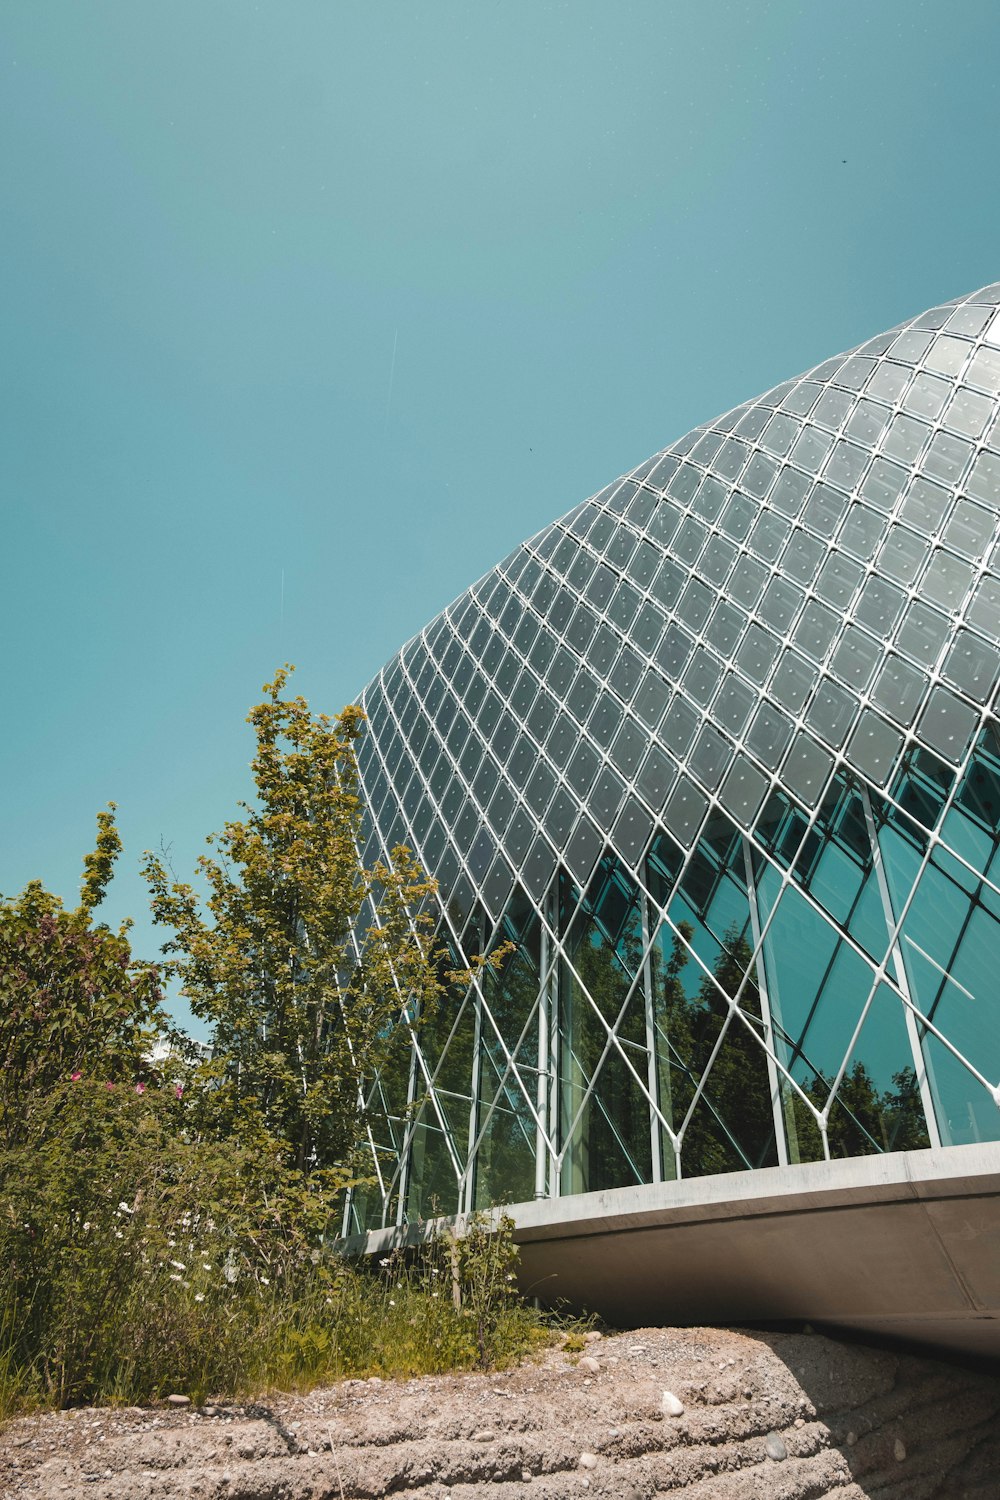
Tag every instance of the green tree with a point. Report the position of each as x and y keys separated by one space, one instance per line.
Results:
x=73 y=1001
x=302 y=1009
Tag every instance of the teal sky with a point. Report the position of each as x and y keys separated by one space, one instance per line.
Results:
x=309 y=312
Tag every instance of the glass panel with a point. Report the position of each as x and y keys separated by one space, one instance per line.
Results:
x=609 y=1144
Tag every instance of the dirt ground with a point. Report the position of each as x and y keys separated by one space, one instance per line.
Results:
x=716 y=1414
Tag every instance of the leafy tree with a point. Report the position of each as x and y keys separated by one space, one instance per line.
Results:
x=302 y=1011
x=73 y=1001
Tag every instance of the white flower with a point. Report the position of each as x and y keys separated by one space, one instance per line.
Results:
x=86 y=1226
x=205 y=1266
x=264 y=1281
x=392 y=1302
x=175 y=1278
x=199 y=1296
x=433 y=1294
x=178 y=1265
x=123 y=1208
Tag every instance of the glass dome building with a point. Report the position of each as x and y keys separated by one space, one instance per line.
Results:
x=717 y=754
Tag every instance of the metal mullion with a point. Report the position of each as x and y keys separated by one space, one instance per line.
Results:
x=777 y=1111
x=652 y=1074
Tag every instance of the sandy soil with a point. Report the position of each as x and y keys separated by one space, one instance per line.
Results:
x=768 y=1416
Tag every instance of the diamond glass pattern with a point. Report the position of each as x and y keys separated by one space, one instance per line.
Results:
x=718 y=755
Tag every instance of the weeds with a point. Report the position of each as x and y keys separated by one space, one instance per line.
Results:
x=139 y=1262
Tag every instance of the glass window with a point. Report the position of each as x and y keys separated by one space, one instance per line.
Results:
x=733 y=703
x=972 y=666
x=710 y=757
x=971 y=529
x=923 y=633
x=903 y=552
x=832 y=712
x=856 y=657
x=725 y=627
x=769 y=735
x=717 y=558
x=743 y=790
x=807 y=767
x=816 y=629
x=867 y=422
x=747 y=581
x=947 y=724
x=651 y=700
x=802 y=556
x=899 y=689
x=879 y=605
x=656 y=777
x=780 y=603
x=874 y=747
x=780 y=434
x=684 y=811
x=946 y=581
x=757 y=653
x=838 y=579
x=984 y=611
x=793 y=681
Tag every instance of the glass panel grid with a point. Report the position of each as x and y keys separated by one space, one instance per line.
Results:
x=796 y=603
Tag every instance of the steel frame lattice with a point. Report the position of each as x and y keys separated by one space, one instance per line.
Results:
x=718 y=753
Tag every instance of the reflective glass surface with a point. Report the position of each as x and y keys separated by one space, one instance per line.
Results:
x=717 y=755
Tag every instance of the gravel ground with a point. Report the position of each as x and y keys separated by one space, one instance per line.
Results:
x=716 y=1414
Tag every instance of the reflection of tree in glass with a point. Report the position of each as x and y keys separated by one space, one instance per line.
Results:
x=610 y=1146
x=732 y=1127
x=863 y=1121
x=505 y=1162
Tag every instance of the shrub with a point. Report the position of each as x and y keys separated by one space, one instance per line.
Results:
x=140 y=1260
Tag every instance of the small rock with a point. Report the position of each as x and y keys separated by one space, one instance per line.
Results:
x=589 y=1363
x=209 y=1411
x=899 y=1450
x=798 y=1422
x=176 y=1400
x=775 y=1447
x=670 y=1406
x=486 y=1436
x=592 y=1337
x=852 y=1438
x=526 y=1476
x=588 y=1460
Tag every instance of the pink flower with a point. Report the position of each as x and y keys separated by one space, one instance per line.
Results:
x=140 y=1088
x=109 y=1085
x=75 y=1077
x=178 y=1089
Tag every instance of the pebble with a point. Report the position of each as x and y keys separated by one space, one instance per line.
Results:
x=526 y=1475
x=670 y=1406
x=775 y=1447
x=589 y=1363
x=899 y=1450
x=852 y=1438
x=592 y=1337
x=588 y=1460
x=176 y=1400
x=798 y=1422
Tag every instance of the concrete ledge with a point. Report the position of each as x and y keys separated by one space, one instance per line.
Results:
x=904 y=1245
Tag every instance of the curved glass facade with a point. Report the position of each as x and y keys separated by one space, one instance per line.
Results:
x=717 y=752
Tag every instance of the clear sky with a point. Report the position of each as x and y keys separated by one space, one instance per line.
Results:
x=311 y=310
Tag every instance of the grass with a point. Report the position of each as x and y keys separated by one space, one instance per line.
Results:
x=453 y=1308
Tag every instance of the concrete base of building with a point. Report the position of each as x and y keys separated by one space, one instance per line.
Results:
x=903 y=1246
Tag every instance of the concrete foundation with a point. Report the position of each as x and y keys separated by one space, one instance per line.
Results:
x=905 y=1245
